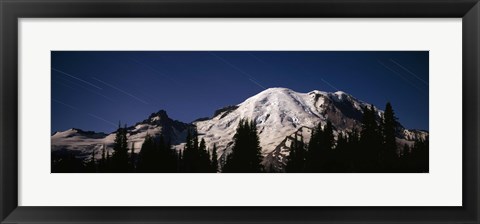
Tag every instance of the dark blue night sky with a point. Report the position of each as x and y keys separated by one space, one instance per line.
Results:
x=95 y=90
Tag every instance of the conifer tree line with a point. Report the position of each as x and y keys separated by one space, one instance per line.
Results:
x=373 y=149
x=156 y=156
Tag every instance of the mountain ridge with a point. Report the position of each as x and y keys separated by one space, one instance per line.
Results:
x=279 y=113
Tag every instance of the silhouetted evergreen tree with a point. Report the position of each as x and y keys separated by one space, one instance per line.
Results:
x=370 y=142
x=103 y=161
x=204 y=163
x=157 y=156
x=120 y=158
x=214 y=159
x=246 y=152
x=189 y=154
x=320 y=153
x=196 y=151
x=342 y=161
x=148 y=156
x=389 y=156
x=353 y=151
x=163 y=161
x=195 y=155
x=313 y=161
x=204 y=160
x=327 y=156
x=172 y=157
x=296 y=159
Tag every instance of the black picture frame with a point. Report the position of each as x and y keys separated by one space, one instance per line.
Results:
x=12 y=10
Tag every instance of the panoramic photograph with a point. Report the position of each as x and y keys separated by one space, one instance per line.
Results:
x=239 y=111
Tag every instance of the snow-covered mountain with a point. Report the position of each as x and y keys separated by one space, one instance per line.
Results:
x=281 y=112
x=278 y=112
